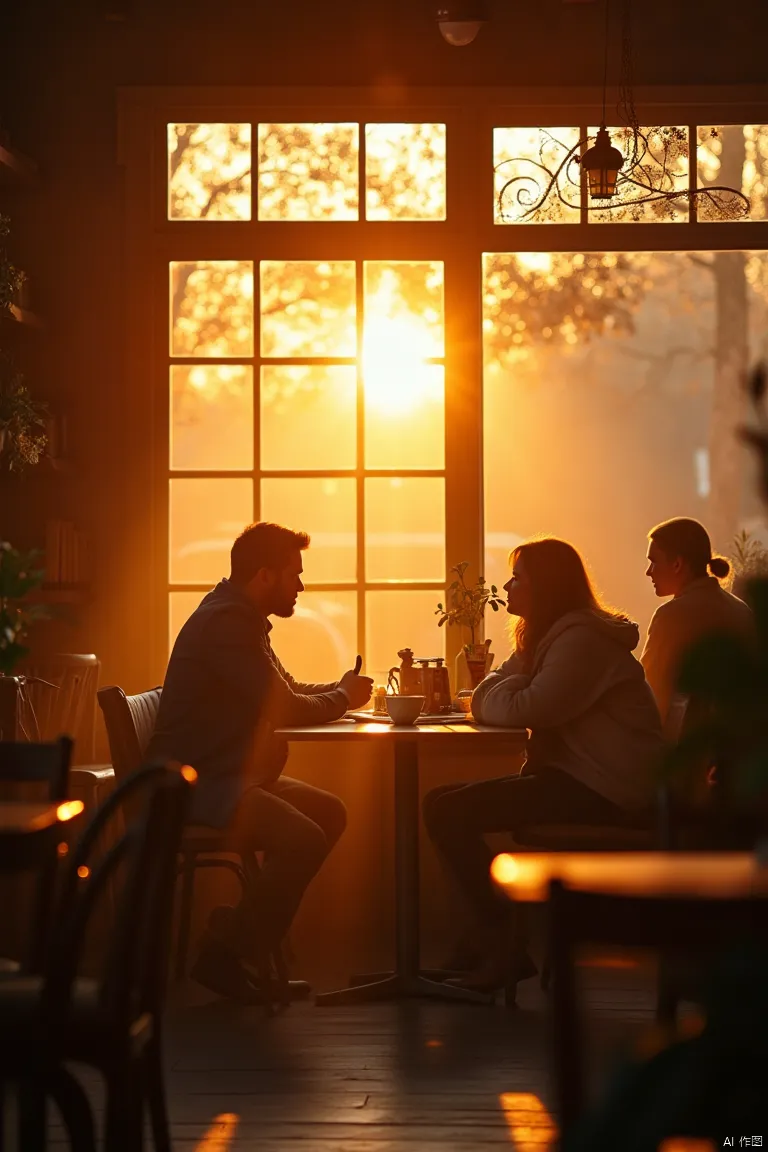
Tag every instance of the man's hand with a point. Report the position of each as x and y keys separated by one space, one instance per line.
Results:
x=358 y=688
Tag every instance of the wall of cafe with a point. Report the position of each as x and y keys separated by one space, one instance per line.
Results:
x=61 y=67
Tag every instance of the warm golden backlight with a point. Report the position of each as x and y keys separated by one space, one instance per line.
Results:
x=403 y=327
x=189 y=774
x=209 y=171
x=397 y=381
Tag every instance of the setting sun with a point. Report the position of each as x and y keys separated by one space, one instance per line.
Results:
x=396 y=378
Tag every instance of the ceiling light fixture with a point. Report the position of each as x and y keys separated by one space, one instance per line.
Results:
x=647 y=170
x=602 y=161
x=460 y=21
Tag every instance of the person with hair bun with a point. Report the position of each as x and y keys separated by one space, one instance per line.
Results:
x=681 y=565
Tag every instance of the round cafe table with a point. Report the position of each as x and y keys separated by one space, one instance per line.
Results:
x=406 y=743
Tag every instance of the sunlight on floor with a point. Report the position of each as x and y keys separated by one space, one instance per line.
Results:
x=221 y=1133
x=531 y=1128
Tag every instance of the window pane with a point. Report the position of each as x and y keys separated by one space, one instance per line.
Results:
x=212 y=308
x=212 y=417
x=319 y=642
x=326 y=509
x=626 y=407
x=209 y=171
x=205 y=517
x=735 y=156
x=405 y=171
x=405 y=416
x=404 y=529
x=556 y=299
x=403 y=313
x=308 y=417
x=661 y=166
x=181 y=605
x=525 y=161
x=308 y=309
x=395 y=620
x=308 y=171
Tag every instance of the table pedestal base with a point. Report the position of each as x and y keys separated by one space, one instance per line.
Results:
x=394 y=987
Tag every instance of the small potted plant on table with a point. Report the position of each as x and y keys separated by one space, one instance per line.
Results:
x=466 y=606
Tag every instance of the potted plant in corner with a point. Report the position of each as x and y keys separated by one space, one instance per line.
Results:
x=22 y=421
x=19 y=575
x=466 y=606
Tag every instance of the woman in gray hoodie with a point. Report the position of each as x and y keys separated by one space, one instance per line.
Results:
x=595 y=736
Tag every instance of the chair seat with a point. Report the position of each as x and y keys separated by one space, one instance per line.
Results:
x=201 y=838
x=585 y=837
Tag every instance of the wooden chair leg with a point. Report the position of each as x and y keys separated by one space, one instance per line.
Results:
x=32 y=1116
x=185 y=914
x=154 y=1078
x=666 y=994
x=75 y=1110
x=281 y=972
x=124 y=1125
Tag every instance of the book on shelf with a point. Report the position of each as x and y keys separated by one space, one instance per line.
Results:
x=66 y=555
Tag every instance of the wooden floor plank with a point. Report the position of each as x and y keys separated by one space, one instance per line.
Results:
x=375 y=1078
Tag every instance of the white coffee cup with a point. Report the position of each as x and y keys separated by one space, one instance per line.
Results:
x=405 y=709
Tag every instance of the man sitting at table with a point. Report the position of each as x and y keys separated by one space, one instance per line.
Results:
x=225 y=693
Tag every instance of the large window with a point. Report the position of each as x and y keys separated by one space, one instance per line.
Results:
x=311 y=391
x=613 y=380
x=374 y=327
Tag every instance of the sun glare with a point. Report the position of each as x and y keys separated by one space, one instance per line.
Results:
x=397 y=379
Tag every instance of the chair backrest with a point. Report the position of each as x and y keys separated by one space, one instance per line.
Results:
x=60 y=694
x=153 y=802
x=130 y=722
x=25 y=763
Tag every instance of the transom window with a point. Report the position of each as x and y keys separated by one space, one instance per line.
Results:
x=307 y=172
x=368 y=336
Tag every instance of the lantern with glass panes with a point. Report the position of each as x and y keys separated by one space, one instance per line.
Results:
x=602 y=163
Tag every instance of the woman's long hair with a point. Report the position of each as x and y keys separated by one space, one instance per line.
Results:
x=559 y=583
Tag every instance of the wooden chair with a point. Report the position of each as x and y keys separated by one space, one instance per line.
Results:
x=60 y=693
x=130 y=722
x=657 y=828
x=578 y=917
x=112 y=1023
x=651 y=829
x=47 y=765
